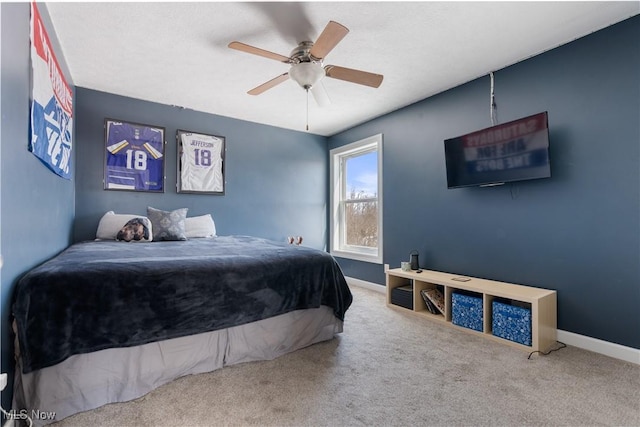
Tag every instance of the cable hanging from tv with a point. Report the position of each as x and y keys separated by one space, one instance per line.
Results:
x=493 y=106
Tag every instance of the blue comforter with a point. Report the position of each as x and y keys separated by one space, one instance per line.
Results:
x=103 y=294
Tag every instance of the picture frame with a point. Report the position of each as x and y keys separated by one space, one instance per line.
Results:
x=200 y=162
x=134 y=156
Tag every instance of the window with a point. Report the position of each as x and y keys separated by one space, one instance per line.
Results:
x=356 y=200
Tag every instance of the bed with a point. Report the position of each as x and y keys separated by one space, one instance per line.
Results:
x=108 y=321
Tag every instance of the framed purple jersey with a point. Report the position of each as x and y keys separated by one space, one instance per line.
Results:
x=134 y=156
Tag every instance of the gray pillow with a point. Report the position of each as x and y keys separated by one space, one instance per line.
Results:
x=167 y=225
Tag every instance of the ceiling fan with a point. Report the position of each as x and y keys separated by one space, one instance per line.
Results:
x=306 y=64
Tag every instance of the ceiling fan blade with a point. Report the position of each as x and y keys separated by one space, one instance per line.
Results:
x=289 y=19
x=328 y=39
x=354 y=76
x=320 y=94
x=268 y=85
x=260 y=52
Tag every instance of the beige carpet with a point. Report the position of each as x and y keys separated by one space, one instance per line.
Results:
x=391 y=368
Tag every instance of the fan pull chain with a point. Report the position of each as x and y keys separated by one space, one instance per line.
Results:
x=307 y=90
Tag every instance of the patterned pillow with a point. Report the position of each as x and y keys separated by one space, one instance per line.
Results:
x=167 y=225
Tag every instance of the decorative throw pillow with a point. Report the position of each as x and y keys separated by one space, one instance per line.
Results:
x=168 y=225
x=200 y=226
x=135 y=230
x=111 y=223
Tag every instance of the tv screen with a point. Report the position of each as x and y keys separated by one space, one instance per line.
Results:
x=514 y=151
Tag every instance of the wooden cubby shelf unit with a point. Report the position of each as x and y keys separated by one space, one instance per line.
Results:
x=542 y=302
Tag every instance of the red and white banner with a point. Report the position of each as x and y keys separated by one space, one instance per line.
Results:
x=51 y=105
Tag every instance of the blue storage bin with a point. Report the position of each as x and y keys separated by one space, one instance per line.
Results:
x=511 y=322
x=466 y=311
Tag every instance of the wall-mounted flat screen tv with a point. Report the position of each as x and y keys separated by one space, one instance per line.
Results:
x=514 y=151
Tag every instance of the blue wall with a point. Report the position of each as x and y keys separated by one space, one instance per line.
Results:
x=37 y=206
x=276 y=179
x=577 y=232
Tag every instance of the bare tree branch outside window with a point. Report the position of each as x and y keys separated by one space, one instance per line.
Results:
x=361 y=219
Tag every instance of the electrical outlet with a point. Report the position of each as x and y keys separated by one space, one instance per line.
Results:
x=3 y=381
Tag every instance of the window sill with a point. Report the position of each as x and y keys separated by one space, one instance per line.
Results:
x=374 y=259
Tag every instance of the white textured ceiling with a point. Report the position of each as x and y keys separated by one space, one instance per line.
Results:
x=177 y=54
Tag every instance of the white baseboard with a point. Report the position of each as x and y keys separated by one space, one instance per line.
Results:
x=607 y=348
x=368 y=285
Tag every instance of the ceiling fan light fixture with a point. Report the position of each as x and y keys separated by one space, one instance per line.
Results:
x=306 y=74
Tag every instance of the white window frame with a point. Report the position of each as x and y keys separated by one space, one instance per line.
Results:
x=337 y=245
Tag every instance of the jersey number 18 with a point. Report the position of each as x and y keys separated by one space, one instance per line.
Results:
x=202 y=157
x=136 y=159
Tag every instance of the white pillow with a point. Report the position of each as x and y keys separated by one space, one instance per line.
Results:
x=111 y=223
x=199 y=226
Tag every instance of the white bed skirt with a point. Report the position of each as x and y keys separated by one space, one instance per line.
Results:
x=88 y=381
